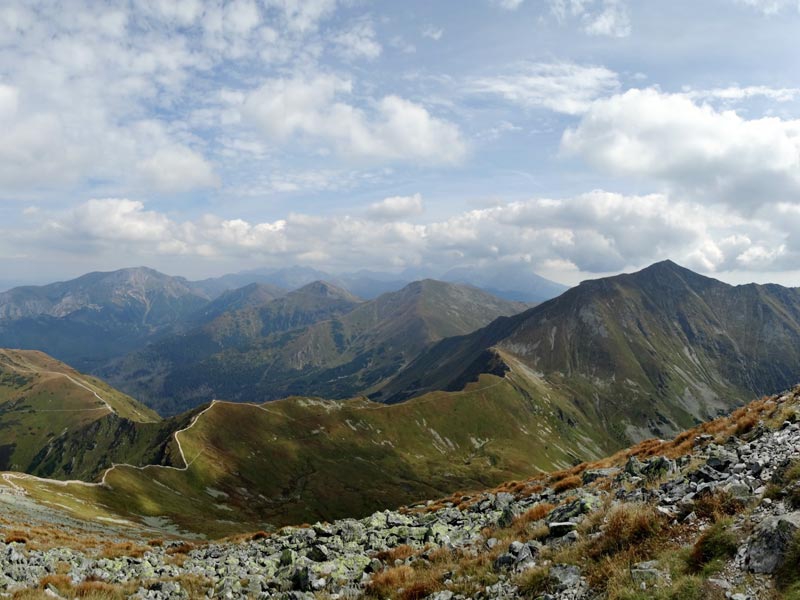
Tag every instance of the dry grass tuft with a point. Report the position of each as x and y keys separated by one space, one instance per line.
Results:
x=535 y=513
x=16 y=538
x=568 y=483
x=717 y=505
x=627 y=526
x=183 y=548
x=389 y=580
x=401 y=552
x=98 y=589
x=123 y=549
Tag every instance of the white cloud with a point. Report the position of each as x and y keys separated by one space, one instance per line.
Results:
x=561 y=86
x=314 y=107
x=116 y=220
x=358 y=42
x=396 y=208
x=91 y=92
x=178 y=169
x=594 y=232
x=598 y=17
x=736 y=93
x=696 y=150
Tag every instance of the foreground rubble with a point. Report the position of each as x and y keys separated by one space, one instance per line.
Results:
x=712 y=514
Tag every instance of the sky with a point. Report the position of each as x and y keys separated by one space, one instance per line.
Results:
x=578 y=137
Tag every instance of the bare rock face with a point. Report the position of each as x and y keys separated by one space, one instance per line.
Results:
x=766 y=549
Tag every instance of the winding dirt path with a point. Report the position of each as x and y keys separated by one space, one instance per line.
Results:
x=9 y=477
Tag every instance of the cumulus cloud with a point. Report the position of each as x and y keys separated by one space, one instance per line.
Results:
x=315 y=107
x=593 y=232
x=561 y=86
x=396 y=208
x=303 y=15
x=116 y=220
x=93 y=92
x=694 y=149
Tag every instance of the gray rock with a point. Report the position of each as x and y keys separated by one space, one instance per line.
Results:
x=766 y=548
x=591 y=475
x=562 y=528
x=565 y=576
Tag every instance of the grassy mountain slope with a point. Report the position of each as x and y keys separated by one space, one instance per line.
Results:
x=172 y=374
x=643 y=354
x=292 y=348
x=45 y=404
x=300 y=459
x=249 y=296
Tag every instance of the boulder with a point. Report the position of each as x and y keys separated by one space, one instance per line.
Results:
x=591 y=475
x=767 y=547
x=560 y=529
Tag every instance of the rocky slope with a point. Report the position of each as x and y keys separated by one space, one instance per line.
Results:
x=714 y=513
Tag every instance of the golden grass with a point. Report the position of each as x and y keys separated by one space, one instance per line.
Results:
x=401 y=552
x=16 y=537
x=119 y=549
x=183 y=548
x=717 y=505
x=568 y=483
x=535 y=513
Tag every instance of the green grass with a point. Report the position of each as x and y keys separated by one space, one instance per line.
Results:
x=43 y=401
x=715 y=545
x=302 y=460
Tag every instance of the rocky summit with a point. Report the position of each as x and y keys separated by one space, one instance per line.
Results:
x=713 y=513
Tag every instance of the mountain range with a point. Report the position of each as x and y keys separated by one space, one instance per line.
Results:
x=318 y=340
x=99 y=317
x=461 y=397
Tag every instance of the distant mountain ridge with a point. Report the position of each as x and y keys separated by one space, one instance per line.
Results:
x=97 y=316
x=101 y=316
x=318 y=340
x=279 y=463
x=142 y=292
x=516 y=282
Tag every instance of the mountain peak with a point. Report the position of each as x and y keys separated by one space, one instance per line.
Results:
x=325 y=289
x=665 y=270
